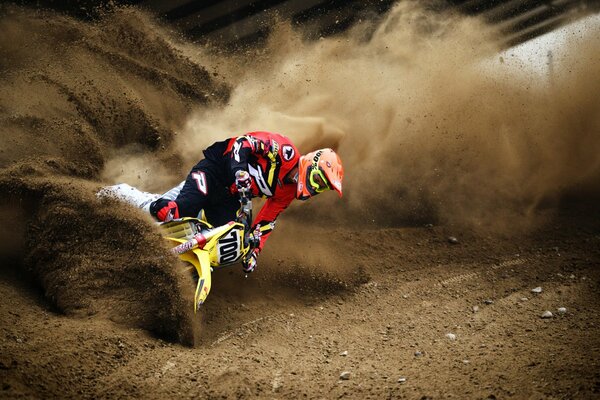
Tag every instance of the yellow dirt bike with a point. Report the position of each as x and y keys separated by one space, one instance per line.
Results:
x=208 y=248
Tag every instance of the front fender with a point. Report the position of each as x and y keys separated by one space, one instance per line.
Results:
x=200 y=259
x=204 y=278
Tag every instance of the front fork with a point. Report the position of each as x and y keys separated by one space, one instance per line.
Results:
x=251 y=239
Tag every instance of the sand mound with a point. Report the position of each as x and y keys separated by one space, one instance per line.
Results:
x=73 y=95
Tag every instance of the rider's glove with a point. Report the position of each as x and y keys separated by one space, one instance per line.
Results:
x=249 y=265
x=255 y=236
x=242 y=180
x=168 y=212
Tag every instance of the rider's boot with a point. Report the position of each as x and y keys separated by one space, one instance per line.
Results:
x=129 y=194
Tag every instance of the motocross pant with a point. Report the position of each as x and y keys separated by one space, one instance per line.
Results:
x=203 y=190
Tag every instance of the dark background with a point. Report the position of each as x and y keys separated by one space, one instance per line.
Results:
x=236 y=22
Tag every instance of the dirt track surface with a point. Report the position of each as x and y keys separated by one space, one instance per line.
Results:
x=273 y=337
x=369 y=286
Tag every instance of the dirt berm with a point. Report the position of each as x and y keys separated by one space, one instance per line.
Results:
x=73 y=94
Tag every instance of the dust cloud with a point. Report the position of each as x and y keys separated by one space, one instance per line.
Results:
x=430 y=122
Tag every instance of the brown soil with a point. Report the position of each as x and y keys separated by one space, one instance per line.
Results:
x=93 y=307
x=281 y=332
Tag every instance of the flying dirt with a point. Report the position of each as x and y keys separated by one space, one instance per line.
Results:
x=74 y=94
x=439 y=138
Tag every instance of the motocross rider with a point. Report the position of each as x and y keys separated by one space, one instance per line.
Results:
x=263 y=163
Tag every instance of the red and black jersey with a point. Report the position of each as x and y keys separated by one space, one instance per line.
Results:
x=210 y=185
x=268 y=157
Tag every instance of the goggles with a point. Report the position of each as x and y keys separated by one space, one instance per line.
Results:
x=317 y=179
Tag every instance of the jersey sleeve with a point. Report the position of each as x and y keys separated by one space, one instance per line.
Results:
x=243 y=147
x=265 y=220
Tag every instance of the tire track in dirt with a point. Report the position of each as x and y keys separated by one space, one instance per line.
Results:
x=371 y=287
x=244 y=328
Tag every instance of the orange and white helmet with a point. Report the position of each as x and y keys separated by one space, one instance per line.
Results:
x=318 y=171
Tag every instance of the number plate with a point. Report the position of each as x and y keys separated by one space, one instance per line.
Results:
x=229 y=247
